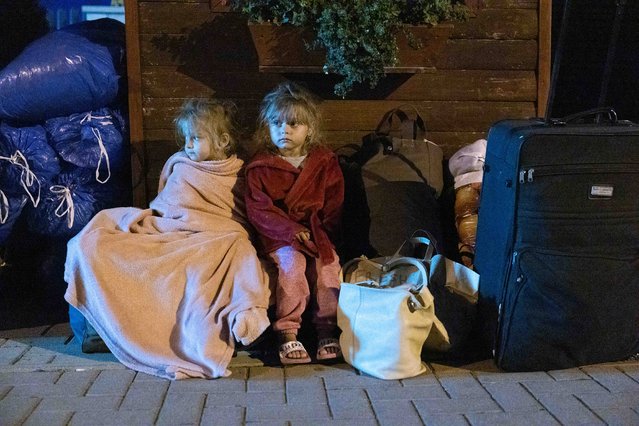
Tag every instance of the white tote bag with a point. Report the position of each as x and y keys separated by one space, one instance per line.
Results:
x=388 y=315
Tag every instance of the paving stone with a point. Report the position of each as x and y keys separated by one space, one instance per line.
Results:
x=512 y=397
x=631 y=371
x=225 y=384
x=10 y=354
x=567 y=409
x=287 y=412
x=304 y=371
x=14 y=411
x=310 y=391
x=143 y=377
x=265 y=378
x=145 y=395
x=539 y=417
x=416 y=392
x=534 y=376
x=52 y=343
x=112 y=382
x=462 y=385
x=618 y=416
x=4 y=390
x=245 y=399
x=245 y=359
x=223 y=416
x=181 y=408
x=427 y=407
x=13 y=378
x=359 y=381
x=77 y=380
x=610 y=400
x=49 y=418
x=24 y=332
x=69 y=383
x=59 y=330
x=569 y=387
x=427 y=378
x=35 y=356
x=446 y=420
x=350 y=404
x=392 y=412
x=114 y=417
x=568 y=374
x=338 y=422
x=612 y=378
x=80 y=403
x=95 y=361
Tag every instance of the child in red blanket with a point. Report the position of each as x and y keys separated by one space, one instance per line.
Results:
x=295 y=191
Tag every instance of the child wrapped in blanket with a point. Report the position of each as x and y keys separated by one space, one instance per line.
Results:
x=171 y=288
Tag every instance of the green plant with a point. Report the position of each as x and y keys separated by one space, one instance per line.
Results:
x=359 y=36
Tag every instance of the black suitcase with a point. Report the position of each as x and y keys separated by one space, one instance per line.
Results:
x=558 y=243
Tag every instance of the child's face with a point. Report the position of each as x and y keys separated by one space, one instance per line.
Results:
x=289 y=138
x=200 y=146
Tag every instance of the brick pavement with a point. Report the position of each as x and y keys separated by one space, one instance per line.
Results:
x=46 y=380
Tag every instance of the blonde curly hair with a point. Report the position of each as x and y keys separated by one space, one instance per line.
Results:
x=289 y=102
x=212 y=116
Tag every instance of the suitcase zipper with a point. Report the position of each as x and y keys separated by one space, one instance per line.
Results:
x=528 y=174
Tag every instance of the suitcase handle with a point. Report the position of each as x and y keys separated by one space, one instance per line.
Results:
x=595 y=112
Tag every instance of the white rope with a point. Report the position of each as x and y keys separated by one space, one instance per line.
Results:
x=103 y=154
x=64 y=195
x=106 y=120
x=27 y=177
x=4 y=208
x=90 y=117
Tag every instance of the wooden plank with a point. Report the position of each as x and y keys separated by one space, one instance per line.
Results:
x=489 y=55
x=545 y=60
x=203 y=56
x=177 y=18
x=439 y=116
x=468 y=85
x=499 y=24
x=511 y=4
x=136 y=132
x=169 y=82
x=454 y=85
x=200 y=53
x=364 y=115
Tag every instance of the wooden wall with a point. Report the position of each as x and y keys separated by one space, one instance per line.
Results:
x=494 y=66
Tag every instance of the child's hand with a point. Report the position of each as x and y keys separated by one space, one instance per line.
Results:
x=303 y=236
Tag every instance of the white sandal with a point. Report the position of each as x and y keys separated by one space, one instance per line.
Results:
x=324 y=344
x=292 y=346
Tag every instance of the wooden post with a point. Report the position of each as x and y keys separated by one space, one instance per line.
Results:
x=545 y=59
x=136 y=132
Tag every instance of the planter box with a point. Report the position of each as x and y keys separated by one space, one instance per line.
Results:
x=282 y=49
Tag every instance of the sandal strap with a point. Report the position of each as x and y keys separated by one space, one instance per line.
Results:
x=329 y=342
x=292 y=346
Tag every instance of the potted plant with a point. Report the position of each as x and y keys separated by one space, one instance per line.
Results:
x=358 y=38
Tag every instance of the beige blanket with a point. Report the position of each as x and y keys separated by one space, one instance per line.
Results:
x=163 y=285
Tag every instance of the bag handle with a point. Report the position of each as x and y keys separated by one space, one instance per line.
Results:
x=410 y=128
x=596 y=113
